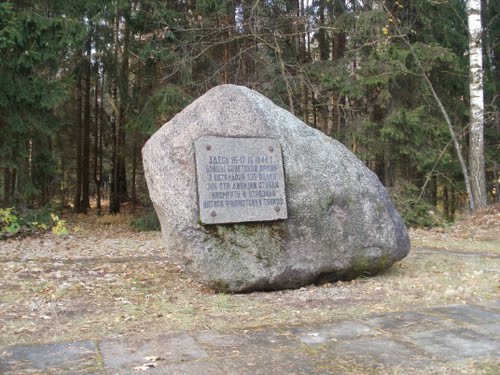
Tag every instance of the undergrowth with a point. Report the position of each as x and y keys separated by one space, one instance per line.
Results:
x=416 y=212
x=147 y=222
x=28 y=222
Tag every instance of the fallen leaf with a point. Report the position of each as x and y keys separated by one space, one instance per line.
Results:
x=146 y=366
x=154 y=358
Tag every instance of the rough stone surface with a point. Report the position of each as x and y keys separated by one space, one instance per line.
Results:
x=240 y=180
x=341 y=222
x=394 y=343
x=62 y=358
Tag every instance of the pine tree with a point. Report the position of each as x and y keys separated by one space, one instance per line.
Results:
x=32 y=44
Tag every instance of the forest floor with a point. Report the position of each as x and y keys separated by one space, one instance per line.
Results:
x=105 y=280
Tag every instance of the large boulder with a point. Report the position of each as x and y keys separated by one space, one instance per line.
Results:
x=341 y=222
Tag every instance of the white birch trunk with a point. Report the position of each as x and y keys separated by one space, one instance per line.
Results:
x=476 y=143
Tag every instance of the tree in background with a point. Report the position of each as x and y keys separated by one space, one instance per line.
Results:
x=364 y=72
x=476 y=142
x=491 y=24
x=32 y=45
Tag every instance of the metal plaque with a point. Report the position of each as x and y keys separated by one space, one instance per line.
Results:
x=240 y=180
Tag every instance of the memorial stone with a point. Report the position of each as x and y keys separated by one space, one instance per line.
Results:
x=251 y=198
x=239 y=180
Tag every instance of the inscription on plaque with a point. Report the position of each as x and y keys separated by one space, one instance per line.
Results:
x=240 y=180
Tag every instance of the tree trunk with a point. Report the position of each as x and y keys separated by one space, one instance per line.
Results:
x=454 y=200
x=97 y=140
x=476 y=142
x=78 y=146
x=388 y=169
x=303 y=60
x=435 y=190
x=281 y=64
x=305 y=103
x=114 y=199
x=41 y=174
x=114 y=196
x=122 y=118
x=314 y=109
x=496 y=184
x=324 y=52
x=324 y=55
x=338 y=51
x=14 y=182
x=446 y=202
x=135 y=151
x=85 y=202
x=7 y=185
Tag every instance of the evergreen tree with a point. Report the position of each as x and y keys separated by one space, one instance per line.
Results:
x=32 y=44
x=87 y=82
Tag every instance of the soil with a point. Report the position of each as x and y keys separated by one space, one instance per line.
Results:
x=105 y=280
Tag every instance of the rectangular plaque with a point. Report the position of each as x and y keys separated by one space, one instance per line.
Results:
x=240 y=180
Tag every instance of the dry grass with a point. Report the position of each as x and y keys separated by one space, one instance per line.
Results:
x=477 y=233
x=105 y=281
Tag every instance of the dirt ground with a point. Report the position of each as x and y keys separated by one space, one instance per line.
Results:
x=104 y=280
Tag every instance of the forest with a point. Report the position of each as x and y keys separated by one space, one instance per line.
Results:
x=83 y=84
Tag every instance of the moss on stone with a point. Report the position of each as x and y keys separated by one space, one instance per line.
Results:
x=242 y=252
x=218 y=285
x=364 y=266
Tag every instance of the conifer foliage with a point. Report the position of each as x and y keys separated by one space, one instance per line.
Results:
x=85 y=83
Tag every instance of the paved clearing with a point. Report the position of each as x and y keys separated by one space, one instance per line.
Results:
x=451 y=339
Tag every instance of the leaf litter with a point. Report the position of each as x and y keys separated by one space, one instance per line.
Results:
x=104 y=280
